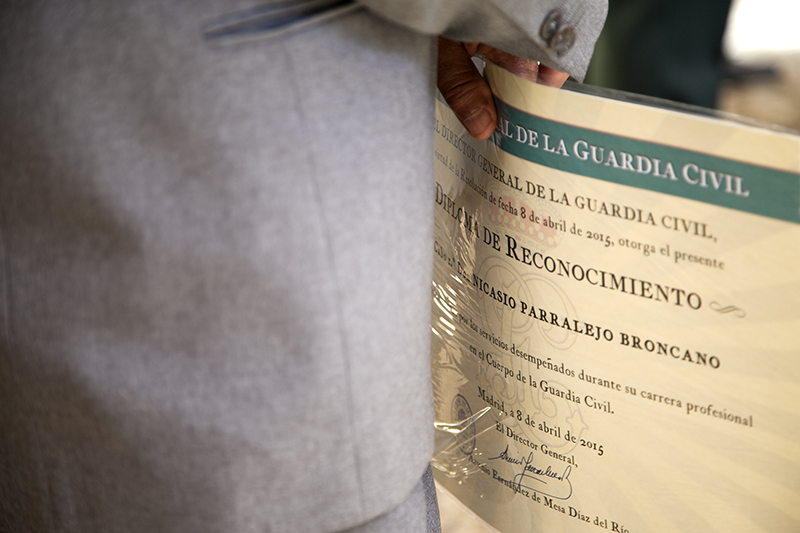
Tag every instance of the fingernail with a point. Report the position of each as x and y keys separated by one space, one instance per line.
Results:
x=478 y=122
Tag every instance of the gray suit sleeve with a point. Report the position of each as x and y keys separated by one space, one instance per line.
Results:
x=558 y=33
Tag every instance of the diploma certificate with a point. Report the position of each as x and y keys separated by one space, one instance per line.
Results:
x=616 y=317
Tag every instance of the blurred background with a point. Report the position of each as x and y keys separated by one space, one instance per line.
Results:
x=765 y=32
x=741 y=57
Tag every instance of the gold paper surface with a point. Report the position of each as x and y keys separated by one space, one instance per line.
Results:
x=617 y=356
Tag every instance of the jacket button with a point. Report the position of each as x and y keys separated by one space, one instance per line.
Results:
x=563 y=40
x=550 y=26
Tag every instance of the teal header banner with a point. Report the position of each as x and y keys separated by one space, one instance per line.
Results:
x=646 y=165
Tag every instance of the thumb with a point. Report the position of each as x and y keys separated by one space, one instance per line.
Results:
x=464 y=89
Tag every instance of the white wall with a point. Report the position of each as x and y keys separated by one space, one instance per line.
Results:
x=762 y=27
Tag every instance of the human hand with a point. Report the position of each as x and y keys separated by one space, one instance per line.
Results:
x=467 y=92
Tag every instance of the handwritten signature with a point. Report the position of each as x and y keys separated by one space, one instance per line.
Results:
x=553 y=483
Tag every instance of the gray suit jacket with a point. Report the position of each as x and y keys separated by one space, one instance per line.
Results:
x=215 y=258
